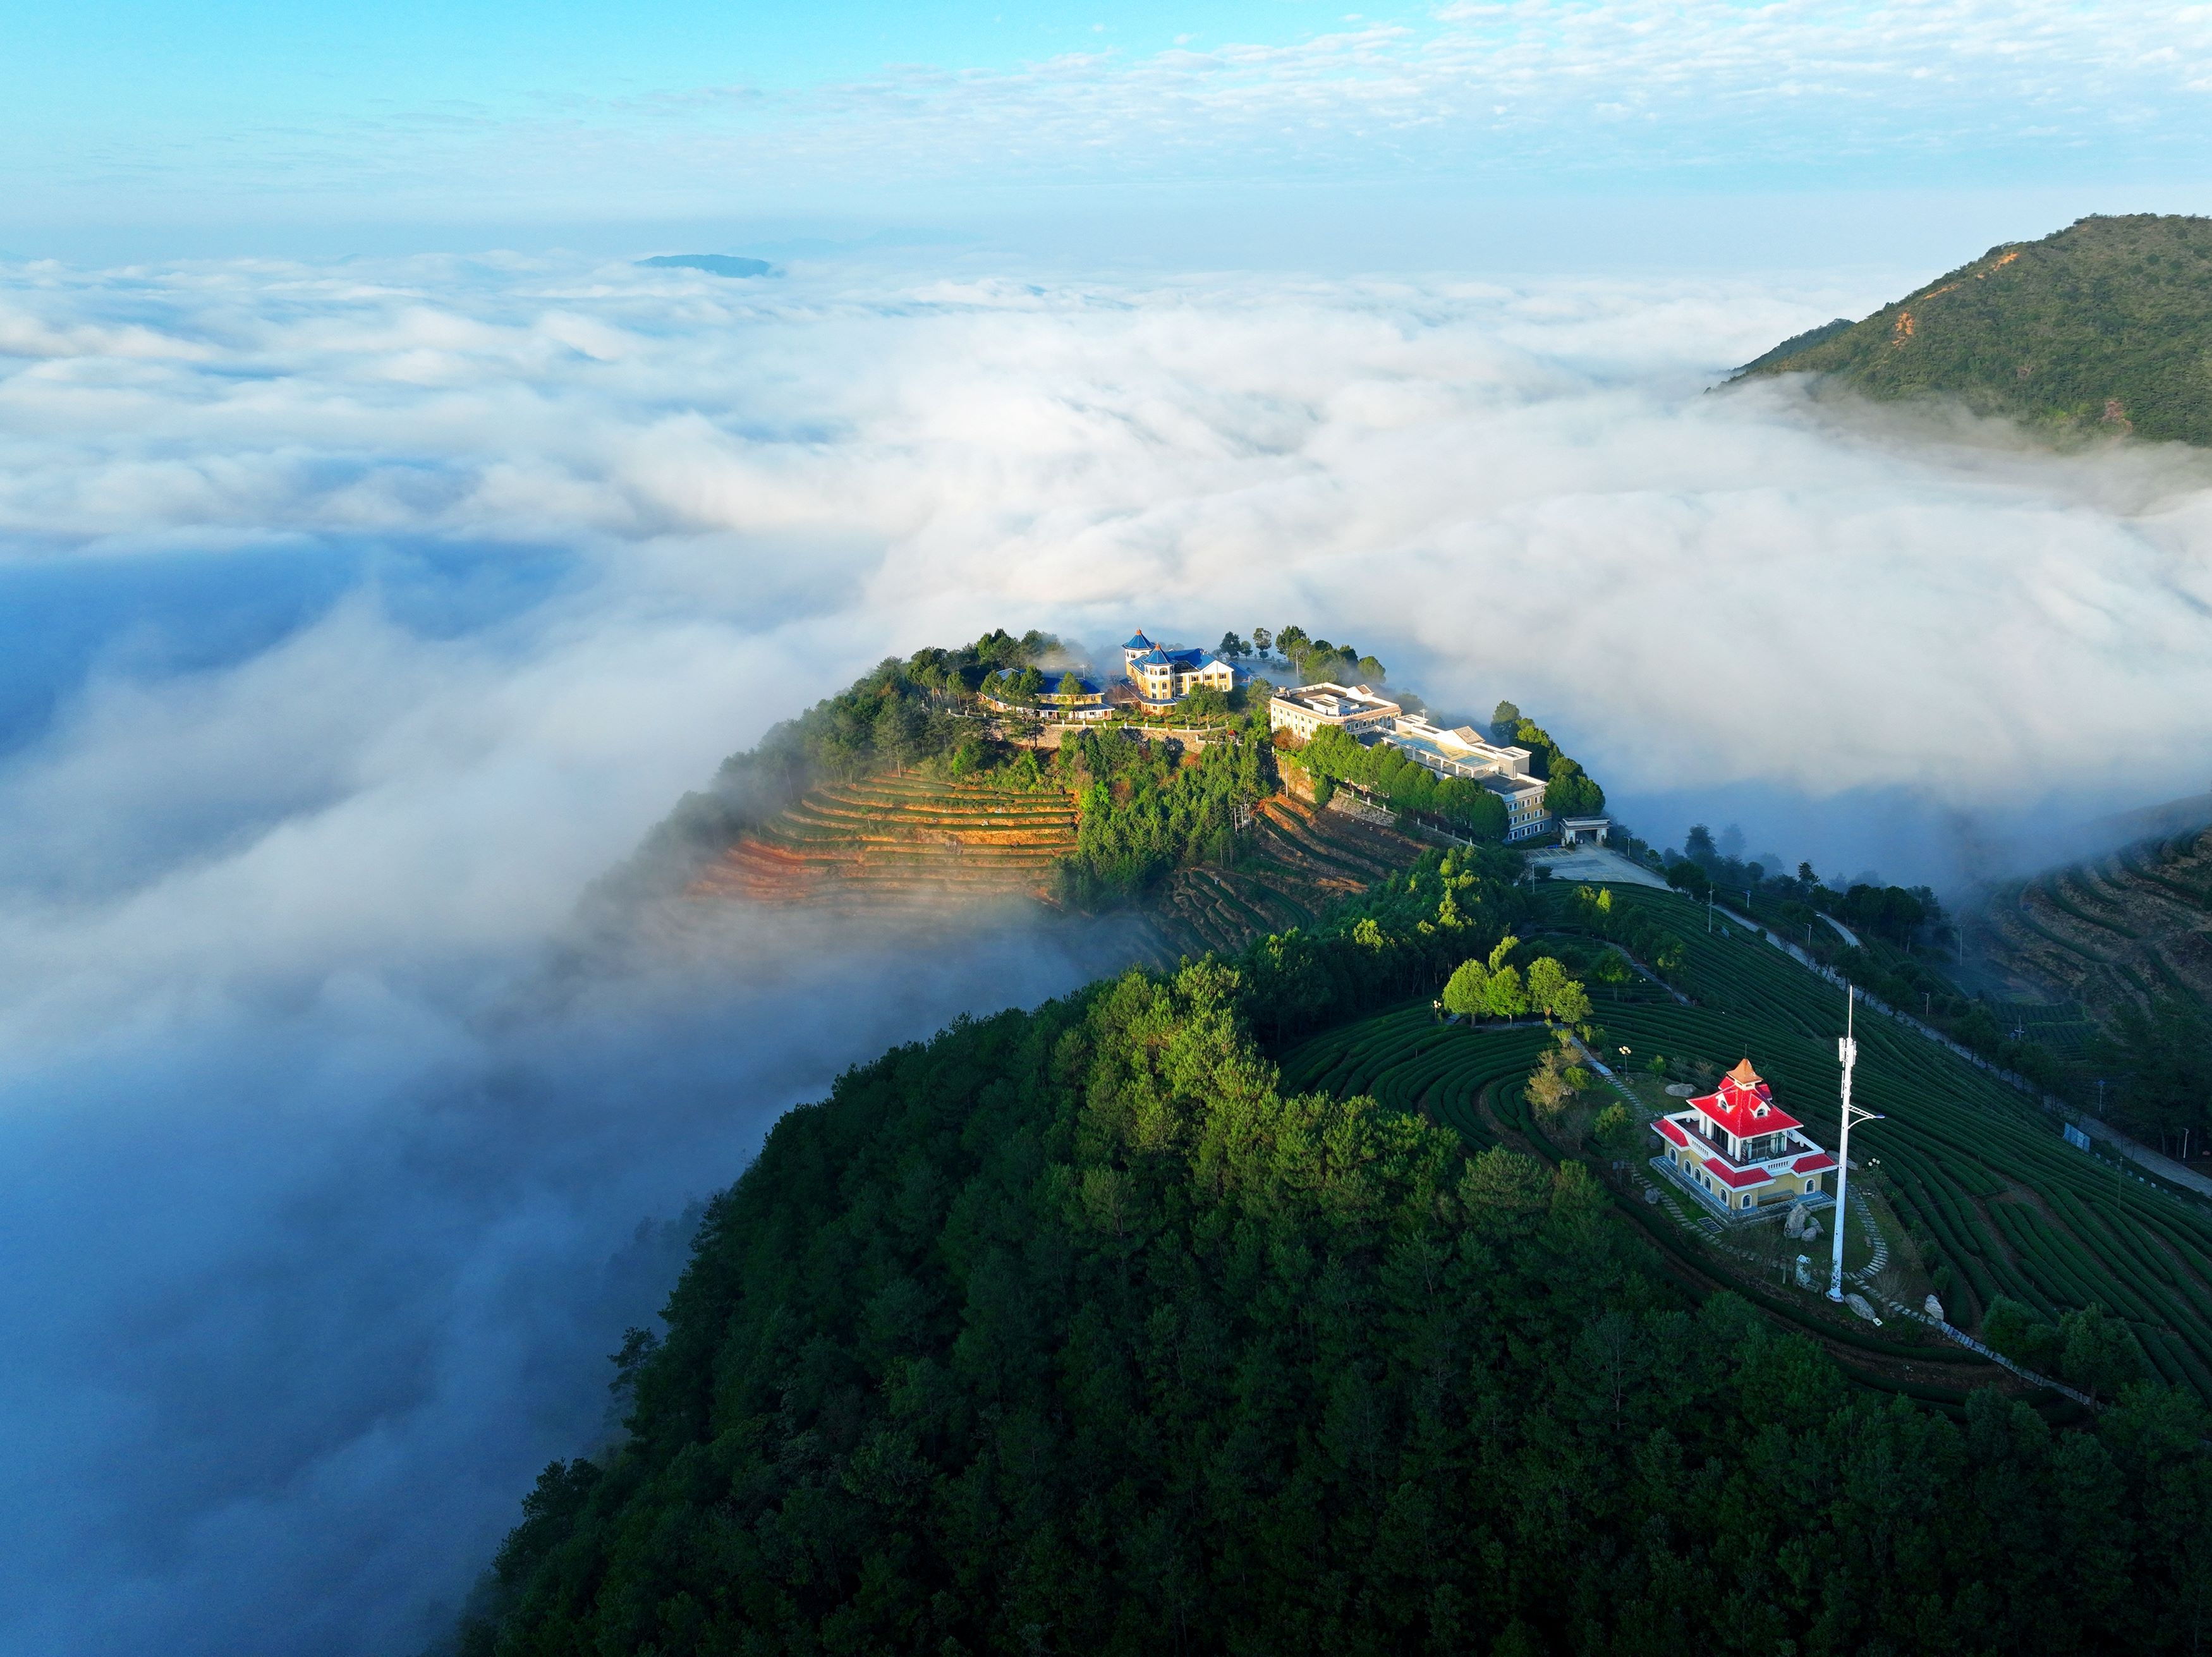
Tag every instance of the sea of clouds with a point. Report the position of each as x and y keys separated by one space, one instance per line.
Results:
x=353 y=618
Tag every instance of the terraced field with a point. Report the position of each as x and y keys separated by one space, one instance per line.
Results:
x=1297 y=861
x=1406 y=1061
x=1979 y=1174
x=2126 y=928
x=892 y=839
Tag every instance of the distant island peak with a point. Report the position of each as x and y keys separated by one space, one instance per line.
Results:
x=714 y=264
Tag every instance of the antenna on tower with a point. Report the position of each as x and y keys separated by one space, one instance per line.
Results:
x=1847 y=1049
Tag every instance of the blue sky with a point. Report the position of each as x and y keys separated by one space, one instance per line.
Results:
x=482 y=125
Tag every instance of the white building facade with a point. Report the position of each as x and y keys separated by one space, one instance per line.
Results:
x=1461 y=751
x=1354 y=709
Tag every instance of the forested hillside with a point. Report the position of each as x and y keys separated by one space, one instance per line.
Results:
x=2105 y=325
x=1075 y=1331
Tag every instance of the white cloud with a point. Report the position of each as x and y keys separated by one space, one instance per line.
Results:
x=313 y=1158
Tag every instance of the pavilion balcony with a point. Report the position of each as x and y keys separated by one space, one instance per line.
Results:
x=1726 y=1204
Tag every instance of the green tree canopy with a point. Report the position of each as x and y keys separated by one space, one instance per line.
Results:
x=1556 y=995
x=1071 y=1330
x=1460 y=802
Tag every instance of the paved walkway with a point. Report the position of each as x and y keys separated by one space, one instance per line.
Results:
x=1841 y=930
x=1597 y=863
x=2157 y=1162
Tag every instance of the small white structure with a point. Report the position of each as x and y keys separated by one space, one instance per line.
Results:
x=1084 y=701
x=1355 y=709
x=1584 y=831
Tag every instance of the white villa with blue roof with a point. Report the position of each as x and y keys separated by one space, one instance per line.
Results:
x=1164 y=677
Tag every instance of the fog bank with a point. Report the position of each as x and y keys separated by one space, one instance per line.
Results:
x=353 y=616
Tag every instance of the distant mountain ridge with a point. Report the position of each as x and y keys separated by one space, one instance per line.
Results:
x=712 y=264
x=2105 y=325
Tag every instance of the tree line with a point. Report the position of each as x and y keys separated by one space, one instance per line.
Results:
x=1317 y=660
x=1146 y=810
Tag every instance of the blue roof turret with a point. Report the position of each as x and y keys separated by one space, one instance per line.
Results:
x=1140 y=642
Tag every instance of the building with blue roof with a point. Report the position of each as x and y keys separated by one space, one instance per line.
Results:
x=1063 y=695
x=1164 y=678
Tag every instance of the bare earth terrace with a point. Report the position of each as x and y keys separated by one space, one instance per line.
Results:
x=891 y=840
x=894 y=838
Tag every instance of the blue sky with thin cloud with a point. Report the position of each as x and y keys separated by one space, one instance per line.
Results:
x=568 y=115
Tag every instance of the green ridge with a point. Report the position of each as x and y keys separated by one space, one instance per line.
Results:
x=2105 y=325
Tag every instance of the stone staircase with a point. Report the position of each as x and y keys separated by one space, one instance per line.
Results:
x=1685 y=1211
x=1879 y=1259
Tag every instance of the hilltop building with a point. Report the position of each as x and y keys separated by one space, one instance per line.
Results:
x=1736 y=1151
x=1461 y=751
x=1526 y=815
x=1164 y=677
x=1085 y=701
x=1352 y=709
x=1359 y=713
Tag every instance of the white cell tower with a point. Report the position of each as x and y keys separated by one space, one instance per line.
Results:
x=1847 y=1049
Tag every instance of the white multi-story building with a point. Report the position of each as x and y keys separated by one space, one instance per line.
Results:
x=1355 y=709
x=1461 y=751
x=1526 y=815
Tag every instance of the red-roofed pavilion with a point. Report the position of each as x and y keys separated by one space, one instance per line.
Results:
x=1740 y=1151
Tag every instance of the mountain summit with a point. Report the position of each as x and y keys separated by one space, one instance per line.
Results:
x=2105 y=325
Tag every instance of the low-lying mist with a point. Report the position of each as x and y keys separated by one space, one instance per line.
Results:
x=308 y=1279
x=355 y=618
